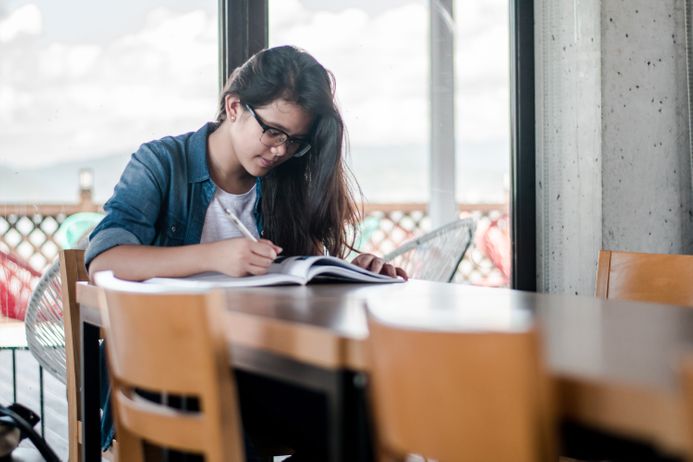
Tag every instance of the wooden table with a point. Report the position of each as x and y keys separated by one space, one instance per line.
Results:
x=614 y=363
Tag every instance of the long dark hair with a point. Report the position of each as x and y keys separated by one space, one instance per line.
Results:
x=307 y=202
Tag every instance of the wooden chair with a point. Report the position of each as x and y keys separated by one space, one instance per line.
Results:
x=687 y=385
x=459 y=396
x=72 y=270
x=171 y=344
x=660 y=278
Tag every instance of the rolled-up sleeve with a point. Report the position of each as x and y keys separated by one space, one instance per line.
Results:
x=133 y=210
x=107 y=239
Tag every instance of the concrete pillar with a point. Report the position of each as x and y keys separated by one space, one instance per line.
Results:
x=646 y=162
x=613 y=147
x=569 y=198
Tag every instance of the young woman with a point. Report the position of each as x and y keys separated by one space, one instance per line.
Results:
x=274 y=157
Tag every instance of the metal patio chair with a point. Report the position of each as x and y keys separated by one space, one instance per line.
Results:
x=436 y=255
x=45 y=331
x=45 y=328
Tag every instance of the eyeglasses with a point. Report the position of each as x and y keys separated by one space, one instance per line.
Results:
x=273 y=137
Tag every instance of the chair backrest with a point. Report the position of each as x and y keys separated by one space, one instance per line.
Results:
x=171 y=344
x=436 y=255
x=72 y=270
x=45 y=329
x=660 y=278
x=459 y=396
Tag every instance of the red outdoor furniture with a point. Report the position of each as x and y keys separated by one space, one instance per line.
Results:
x=17 y=280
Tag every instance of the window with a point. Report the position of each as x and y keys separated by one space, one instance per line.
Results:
x=83 y=91
x=379 y=53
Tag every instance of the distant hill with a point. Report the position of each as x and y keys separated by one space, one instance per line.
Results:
x=386 y=174
x=59 y=183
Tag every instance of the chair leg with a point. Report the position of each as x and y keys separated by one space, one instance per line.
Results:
x=130 y=448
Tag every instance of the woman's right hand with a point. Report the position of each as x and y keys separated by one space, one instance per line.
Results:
x=242 y=257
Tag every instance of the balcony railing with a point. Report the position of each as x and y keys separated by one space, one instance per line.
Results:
x=387 y=226
x=29 y=232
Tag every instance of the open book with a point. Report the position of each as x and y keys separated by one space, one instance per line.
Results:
x=284 y=271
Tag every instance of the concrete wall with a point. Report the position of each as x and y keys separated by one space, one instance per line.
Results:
x=613 y=160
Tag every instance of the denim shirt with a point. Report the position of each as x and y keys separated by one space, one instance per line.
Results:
x=162 y=196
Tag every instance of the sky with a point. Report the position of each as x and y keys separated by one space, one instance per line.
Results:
x=381 y=64
x=82 y=78
x=76 y=96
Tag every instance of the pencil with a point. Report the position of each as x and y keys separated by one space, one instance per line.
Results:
x=234 y=219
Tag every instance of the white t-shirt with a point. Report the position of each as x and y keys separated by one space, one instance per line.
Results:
x=217 y=225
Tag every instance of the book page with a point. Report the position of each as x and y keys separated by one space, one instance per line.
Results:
x=309 y=267
x=295 y=266
x=342 y=273
x=220 y=280
x=300 y=266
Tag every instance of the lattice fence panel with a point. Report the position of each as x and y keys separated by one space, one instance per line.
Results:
x=31 y=236
x=385 y=230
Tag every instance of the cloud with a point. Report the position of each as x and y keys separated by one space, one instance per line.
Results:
x=63 y=62
x=482 y=69
x=23 y=20
x=382 y=67
x=62 y=101
x=379 y=62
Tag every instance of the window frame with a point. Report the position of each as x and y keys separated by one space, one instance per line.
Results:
x=245 y=32
x=523 y=232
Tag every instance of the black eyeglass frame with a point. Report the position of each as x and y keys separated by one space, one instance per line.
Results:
x=303 y=145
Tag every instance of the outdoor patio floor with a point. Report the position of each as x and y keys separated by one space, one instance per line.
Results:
x=55 y=401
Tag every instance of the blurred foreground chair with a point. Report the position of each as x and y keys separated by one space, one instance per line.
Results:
x=72 y=271
x=660 y=278
x=687 y=385
x=436 y=255
x=459 y=396
x=171 y=344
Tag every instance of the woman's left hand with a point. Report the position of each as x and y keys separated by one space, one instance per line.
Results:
x=377 y=265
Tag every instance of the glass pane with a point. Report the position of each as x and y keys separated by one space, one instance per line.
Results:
x=482 y=117
x=82 y=85
x=379 y=53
